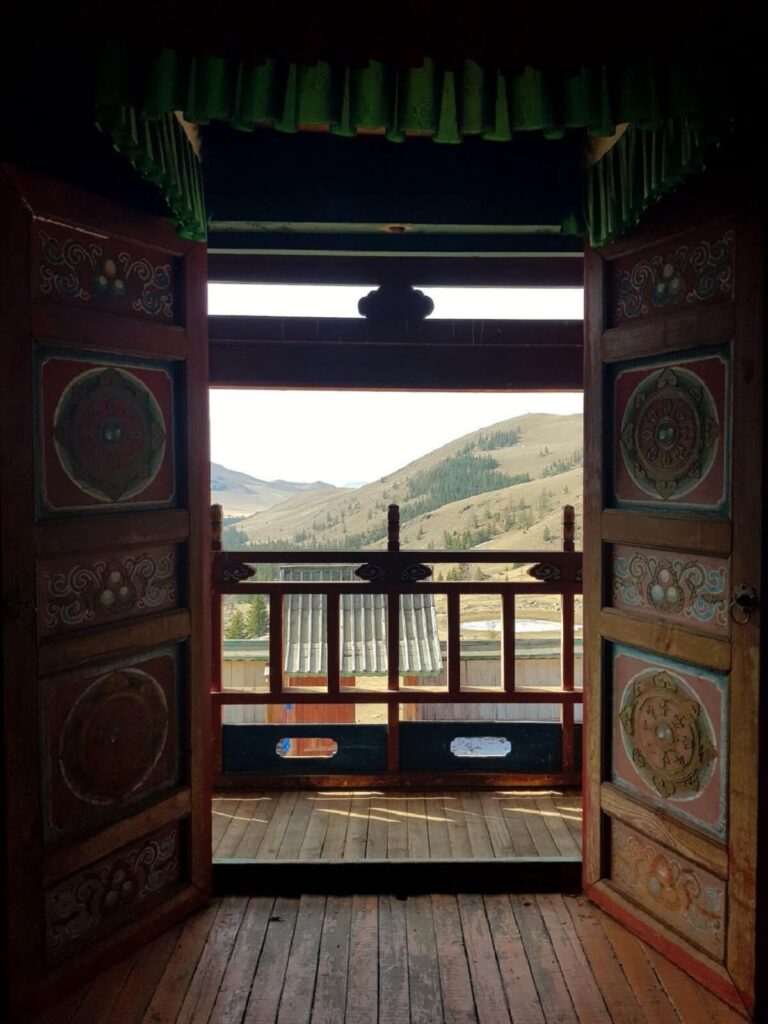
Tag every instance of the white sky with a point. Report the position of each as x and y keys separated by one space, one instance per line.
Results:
x=345 y=437
x=341 y=300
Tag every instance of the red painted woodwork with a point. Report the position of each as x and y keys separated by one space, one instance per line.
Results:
x=672 y=523
x=105 y=580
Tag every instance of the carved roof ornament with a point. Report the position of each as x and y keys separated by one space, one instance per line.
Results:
x=396 y=301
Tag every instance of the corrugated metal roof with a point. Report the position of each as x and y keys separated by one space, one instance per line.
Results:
x=363 y=629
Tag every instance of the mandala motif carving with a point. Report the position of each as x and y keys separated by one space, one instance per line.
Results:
x=107 y=589
x=74 y=269
x=100 y=898
x=667 y=734
x=669 y=433
x=687 y=897
x=675 y=586
x=109 y=434
x=114 y=736
x=692 y=273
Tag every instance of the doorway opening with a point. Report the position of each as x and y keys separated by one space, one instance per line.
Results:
x=469 y=747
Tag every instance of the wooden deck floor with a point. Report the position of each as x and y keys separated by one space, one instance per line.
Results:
x=379 y=960
x=361 y=825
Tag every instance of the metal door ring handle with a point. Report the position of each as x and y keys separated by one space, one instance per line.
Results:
x=743 y=604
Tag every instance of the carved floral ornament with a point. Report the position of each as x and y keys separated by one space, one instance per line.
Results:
x=109 y=588
x=677 y=891
x=667 y=735
x=672 y=585
x=691 y=273
x=73 y=268
x=669 y=433
x=101 y=897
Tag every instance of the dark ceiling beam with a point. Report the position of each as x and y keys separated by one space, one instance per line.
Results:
x=521 y=272
x=439 y=334
x=438 y=355
x=397 y=368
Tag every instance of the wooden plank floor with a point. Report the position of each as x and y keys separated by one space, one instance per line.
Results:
x=379 y=960
x=364 y=825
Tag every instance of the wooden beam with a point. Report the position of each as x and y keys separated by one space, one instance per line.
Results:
x=526 y=334
x=396 y=368
x=422 y=271
x=405 y=695
x=667 y=638
x=704 y=536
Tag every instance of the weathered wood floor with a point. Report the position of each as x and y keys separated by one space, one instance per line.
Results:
x=369 y=959
x=361 y=825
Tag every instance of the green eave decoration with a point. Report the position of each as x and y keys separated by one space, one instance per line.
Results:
x=665 y=106
x=640 y=168
x=161 y=152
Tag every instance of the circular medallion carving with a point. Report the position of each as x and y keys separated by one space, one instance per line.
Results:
x=667 y=734
x=669 y=434
x=113 y=736
x=109 y=434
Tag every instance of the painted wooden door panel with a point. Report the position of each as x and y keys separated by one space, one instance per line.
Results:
x=672 y=527
x=104 y=577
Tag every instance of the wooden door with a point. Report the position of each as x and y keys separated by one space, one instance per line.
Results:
x=674 y=434
x=106 y=645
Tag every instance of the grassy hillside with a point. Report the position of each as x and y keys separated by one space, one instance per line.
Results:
x=500 y=487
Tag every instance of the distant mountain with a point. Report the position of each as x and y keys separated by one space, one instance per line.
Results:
x=500 y=487
x=242 y=495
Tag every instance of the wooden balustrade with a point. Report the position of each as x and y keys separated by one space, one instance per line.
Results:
x=395 y=573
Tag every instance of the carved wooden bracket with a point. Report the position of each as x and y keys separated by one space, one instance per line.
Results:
x=395 y=301
x=545 y=571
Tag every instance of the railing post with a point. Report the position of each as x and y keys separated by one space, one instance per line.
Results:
x=453 y=647
x=393 y=528
x=567 y=648
x=217 y=520
x=508 y=641
x=569 y=527
x=393 y=646
x=333 y=641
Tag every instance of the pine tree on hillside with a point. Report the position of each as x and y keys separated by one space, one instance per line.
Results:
x=257 y=617
x=236 y=629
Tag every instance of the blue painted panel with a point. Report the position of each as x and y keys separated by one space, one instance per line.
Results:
x=426 y=746
x=252 y=748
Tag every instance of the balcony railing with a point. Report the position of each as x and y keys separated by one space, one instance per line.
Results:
x=400 y=752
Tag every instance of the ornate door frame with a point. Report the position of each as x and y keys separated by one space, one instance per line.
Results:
x=673 y=528
x=105 y=581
